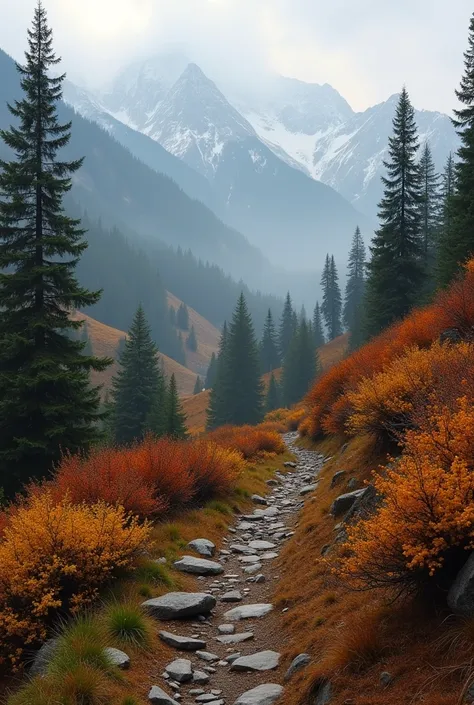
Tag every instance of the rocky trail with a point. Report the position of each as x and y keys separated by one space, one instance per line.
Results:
x=226 y=635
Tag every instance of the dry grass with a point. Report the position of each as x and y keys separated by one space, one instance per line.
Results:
x=195 y=408
x=333 y=351
x=207 y=336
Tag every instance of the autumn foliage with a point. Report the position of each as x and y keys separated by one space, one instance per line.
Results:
x=250 y=441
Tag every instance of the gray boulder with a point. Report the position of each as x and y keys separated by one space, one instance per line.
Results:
x=234 y=638
x=344 y=502
x=178 y=605
x=265 y=694
x=232 y=596
x=201 y=678
x=298 y=663
x=157 y=696
x=180 y=670
x=461 y=593
x=43 y=657
x=365 y=504
x=262 y=661
x=337 y=478
x=117 y=658
x=258 y=499
x=261 y=545
x=307 y=489
x=248 y=612
x=183 y=643
x=203 y=546
x=198 y=566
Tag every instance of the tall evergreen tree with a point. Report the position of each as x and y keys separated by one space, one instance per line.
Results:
x=300 y=366
x=216 y=410
x=120 y=348
x=191 y=340
x=238 y=390
x=430 y=207
x=332 y=301
x=303 y=316
x=269 y=356
x=355 y=287
x=446 y=218
x=396 y=271
x=287 y=325
x=272 y=399
x=198 y=386
x=176 y=418
x=47 y=405
x=318 y=330
x=211 y=372
x=182 y=317
x=137 y=388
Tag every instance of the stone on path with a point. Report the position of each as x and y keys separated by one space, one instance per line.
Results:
x=198 y=566
x=307 y=489
x=344 y=502
x=298 y=662
x=245 y=550
x=180 y=670
x=117 y=658
x=289 y=465
x=226 y=628
x=269 y=556
x=258 y=499
x=253 y=568
x=249 y=559
x=157 y=696
x=203 y=546
x=234 y=638
x=262 y=661
x=208 y=698
x=262 y=545
x=248 y=612
x=232 y=596
x=265 y=694
x=178 y=605
x=207 y=656
x=183 y=643
x=201 y=678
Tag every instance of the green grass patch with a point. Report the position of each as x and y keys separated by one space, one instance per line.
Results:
x=218 y=506
x=154 y=573
x=127 y=624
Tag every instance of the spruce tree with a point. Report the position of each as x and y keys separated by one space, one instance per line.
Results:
x=300 y=366
x=191 y=340
x=332 y=301
x=157 y=418
x=175 y=416
x=197 y=386
x=137 y=388
x=446 y=218
x=458 y=246
x=269 y=356
x=182 y=317
x=287 y=326
x=318 y=330
x=396 y=271
x=216 y=410
x=211 y=372
x=238 y=390
x=272 y=399
x=430 y=208
x=355 y=287
x=47 y=405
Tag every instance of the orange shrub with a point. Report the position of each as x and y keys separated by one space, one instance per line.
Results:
x=164 y=462
x=426 y=521
x=284 y=419
x=214 y=469
x=56 y=556
x=251 y=441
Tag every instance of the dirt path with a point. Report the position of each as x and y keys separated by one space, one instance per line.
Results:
x=250 y=575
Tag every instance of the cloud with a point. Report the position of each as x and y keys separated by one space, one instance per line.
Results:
x=367 y=49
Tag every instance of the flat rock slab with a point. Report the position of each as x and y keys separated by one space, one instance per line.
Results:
x=208 y=698
x=253 y=568
x=207 y=656
x=203 y=546
x=307 y=489
x=201 y=678
x=180 y=670
x=262 y=661
x=179 y=605
x=183 y=643
x=232 y=596
x=252 y=517
x=261 y=545
x=265 y=694
x=249 y=559
x=117 y=658
x=234 y=638
x=268 y=556
x=198 y=566
x=248 y=612
x=157 y=696
x=241 y=548
x=226 y=628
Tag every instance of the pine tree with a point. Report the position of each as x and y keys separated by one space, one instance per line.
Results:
x=47 y=405
x=176 y=418
x=191 y=340
x=302 y=316
x=182 y=317
x=446 y=218
x=269 y=356
x=318 y=330
x=332 y=301
x=157 y=417
x=198 y=386
x=287 y=326
x=355 y=287
x=300 y=366
x=430 y=207
x=238 y=391
x=396 y=272
x=272 y=399
x=137 y=389
x=459 y=244
x=216 y=410
x=211 y=372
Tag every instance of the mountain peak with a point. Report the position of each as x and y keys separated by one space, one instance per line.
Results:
x=195 y=73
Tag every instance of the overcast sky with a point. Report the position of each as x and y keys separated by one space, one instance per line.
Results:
x=366 y=49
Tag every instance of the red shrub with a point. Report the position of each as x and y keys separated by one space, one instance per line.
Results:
x=251 y=441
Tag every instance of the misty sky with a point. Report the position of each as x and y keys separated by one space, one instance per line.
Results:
x=366 y=49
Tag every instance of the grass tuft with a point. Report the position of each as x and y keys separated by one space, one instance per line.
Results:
x=155 y=574
x=127 y=624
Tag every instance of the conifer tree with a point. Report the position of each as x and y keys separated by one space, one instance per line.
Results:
x=182 y=317
x=269 y=356
x=332 y=301
x=157 y=417
x=47 y=405
x=355 y=287
x=137 y=388
x=198 y=386
x=176 y=418
x=216 y=411
x=120 y=348
x=318 y=330
x=272 y=399
x=211 y=372
x=191 y=340
x=238 y=391
x=300 y=366
x=459 y=244
x=302 y=316
x=396 y=271
x=287 y=326
x=430 y=207
x=446 y=218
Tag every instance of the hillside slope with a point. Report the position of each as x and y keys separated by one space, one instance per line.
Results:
x=207 y=337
